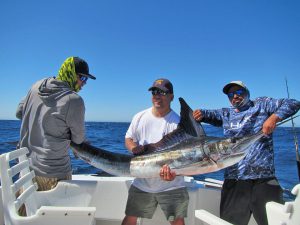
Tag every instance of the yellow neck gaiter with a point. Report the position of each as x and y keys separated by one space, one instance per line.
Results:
x=68 y=74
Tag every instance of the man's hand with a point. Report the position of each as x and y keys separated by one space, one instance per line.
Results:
x=138 y=150
x=197 y=115
x=270 y=124
x=166 y=173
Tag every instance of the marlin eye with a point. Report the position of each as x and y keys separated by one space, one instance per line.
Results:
x=233 y=140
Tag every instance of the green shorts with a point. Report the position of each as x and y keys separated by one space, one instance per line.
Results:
x=174 y=203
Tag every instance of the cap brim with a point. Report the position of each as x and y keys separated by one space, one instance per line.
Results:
x=228 y=86
x=160 y=88
x=88 y=75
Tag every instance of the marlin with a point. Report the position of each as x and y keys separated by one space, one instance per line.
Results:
x=187 y=150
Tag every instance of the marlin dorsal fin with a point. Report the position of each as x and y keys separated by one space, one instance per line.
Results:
x=187 y=121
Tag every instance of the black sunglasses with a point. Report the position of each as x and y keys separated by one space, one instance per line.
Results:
x=83 y=78
x=159 y=92
x=239 y=92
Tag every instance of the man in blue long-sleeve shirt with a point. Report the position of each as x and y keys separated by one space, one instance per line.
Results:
x=251 y=183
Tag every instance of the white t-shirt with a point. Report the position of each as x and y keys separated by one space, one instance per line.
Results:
x=144 y=129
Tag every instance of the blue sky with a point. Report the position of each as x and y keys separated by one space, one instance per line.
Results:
x=199 y=45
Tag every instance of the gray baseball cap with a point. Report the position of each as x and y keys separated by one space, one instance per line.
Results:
x=233 y=83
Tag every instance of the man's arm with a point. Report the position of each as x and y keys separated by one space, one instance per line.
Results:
x=212 y=117
x=270 y=124
x=19 y=112
x=279 y=109
x=133 y=146
x=75 y=119
x=283 y=108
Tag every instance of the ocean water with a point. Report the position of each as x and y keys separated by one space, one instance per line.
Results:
x=110 y=136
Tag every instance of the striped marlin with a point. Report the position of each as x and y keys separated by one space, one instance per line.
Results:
x=187 y=150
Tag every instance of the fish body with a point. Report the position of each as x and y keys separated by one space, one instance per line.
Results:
x=187 y=151
x=194 y=156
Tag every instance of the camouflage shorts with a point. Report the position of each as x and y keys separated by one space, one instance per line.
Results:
x=48 y=183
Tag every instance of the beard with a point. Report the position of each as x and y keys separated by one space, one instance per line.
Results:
x=242 y=105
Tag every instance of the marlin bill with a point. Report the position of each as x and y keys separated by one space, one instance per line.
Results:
x=187 y=150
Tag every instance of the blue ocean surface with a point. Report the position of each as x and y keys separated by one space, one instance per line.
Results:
x=110 y=136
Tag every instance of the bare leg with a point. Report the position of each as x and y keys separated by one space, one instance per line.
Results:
x=129 y=220
x=178 y=221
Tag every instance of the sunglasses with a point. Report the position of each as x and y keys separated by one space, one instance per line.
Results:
x=239 y=92
x=159 y=92
x=83 y=78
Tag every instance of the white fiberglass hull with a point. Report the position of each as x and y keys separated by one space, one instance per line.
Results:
x=109 y=195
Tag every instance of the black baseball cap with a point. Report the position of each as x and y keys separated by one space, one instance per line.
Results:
x=82 y=68
x=162 y=84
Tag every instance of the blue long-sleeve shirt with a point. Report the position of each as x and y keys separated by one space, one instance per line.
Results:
x=259 y=162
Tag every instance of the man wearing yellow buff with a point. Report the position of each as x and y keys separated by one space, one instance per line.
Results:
x=71 y=69
x=52 y=116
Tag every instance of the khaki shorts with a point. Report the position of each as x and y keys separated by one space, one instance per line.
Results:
x=48 y=183
x=174 y=203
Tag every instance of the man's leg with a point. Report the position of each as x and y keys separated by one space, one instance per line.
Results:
x=174 y=204
x=264 y=190
x=235 y=200
x=139 y=204
x=179 y=221
x=129 y=220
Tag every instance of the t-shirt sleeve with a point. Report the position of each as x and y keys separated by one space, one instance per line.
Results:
x=131 y=129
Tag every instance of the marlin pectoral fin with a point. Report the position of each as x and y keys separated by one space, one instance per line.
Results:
x=187 y=121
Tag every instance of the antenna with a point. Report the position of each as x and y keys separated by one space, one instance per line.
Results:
x=295 y=134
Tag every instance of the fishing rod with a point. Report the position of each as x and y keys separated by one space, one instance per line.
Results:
x=295 y=134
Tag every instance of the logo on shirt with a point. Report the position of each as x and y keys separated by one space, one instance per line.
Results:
x=239 y=125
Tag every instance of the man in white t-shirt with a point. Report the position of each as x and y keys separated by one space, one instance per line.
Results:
x=149 y=126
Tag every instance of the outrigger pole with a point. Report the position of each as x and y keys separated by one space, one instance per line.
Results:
x=295 y=135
